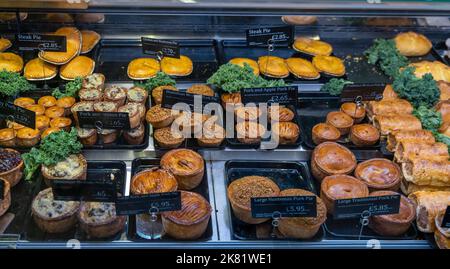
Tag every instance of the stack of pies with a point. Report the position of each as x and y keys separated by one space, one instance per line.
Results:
x=73 y=41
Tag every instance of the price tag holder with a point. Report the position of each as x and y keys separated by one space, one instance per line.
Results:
x=2 y=189
x=376 y=205
x=365 y=92
x=446 y=220
x=31 y=41
x=170 y=98
x=285 y=206
x=287 y=95
x=166 y=48
x=104 y=120
x=262 y=36
x=84 y=190
x=18 y=114
x=132 y=205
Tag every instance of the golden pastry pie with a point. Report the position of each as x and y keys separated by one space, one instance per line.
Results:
x=312 y=47
x=358 y=113
x=284 y=114
x=143 y=68
x=11 y=62
x=49 y=131
x=14 y=125
x=324 y=132
x=273 y=66
x=81 y=106
x=379 y=174
x=249 y=132
x=302 y=68
x=66 y=102
x=157 y=93
x=7 y=138
x=287 y=132
x=12 y=16
x=412 y=44
x=341 y=121
x=330 y=158
x=329 y=65
x=177 y=67
x=186 y=165
x=438 y=70
x=74 y=167
x=73 y=47
x=47 y=101
x=165 y=138
x=42 y=122
x=88 y=40
x=80 y=66
x=62 y=123
x=201 y=89
x=37 y=69
x=99 y=220
x=54 y=112
x=159 y=117
x=153 y=180
x=4 y=44
x=299 y=20
x=364 y=135
x=242 y=61
x=38 y=109
x=24 y=101
x=232 y=100
x=140 y=108
x=27 y=137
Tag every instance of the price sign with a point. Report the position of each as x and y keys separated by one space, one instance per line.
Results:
x=166 y=48
x=131 y=205
x=376 y=205
x=104 y=120
x=284 y=206
x=84 y=190
x=446 y=220
x=282 y=95
x=30 y=41
x=170 y=98
x=364 y=92
x=262 y=36
x=18 y=114
x=2 y=189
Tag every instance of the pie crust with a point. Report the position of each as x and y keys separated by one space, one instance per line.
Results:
x=5 y=203
x=242 y=61
x=330 y=158
x=212 y=135
x=94 y=81
x=159 y=117
x=201 y=89
x=312 y=47
x=80 y=66
x=4 y=44
x=14 y=175
x=137 y=95
x=341 y=121
x=379 y=174
x=99 y=220
x=54 y=112
x=47 y=101
x=284 y=114
x=288 y=132
x=37 y=69
x=153 y=180
x=49 y=131
x=27 y=137
x=135 y=136
x=38 y=109
x=11 y=62
x=90 y=95
x=143 y=68
x=186 y=165
x=81 y=106
x=73 y=167
x=247 y=113
x=166 y=139
x=62 y=123
x=73 y=41
x=329 y=65
x=108 y=136
x=115 y=94
x=7 y=138
x=364 y=135
x=412 y=44
x=302 y=68
x=24 y=101
x=249 y=132
x=88 y=137
x=272 y=66
x=232 y=99
x=89 y=40
x=42 y=123
x=438 y=70
x=177 y=67
x=324 y=132
x=358 y=113
x=133 y=115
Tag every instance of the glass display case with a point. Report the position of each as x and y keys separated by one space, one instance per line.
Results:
x=130 y=43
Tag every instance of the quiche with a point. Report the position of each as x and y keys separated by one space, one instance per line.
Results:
x=94 y=81
x=201 y=89
x=177 y=67
x=302 y=68
x=242 y=61
x=7 y=137
x=135 y=136
x=165 y=138
x=90 y=95
x=36 y=69
x=52 y=216
x=115 y=94
x=186 y=165
x=5 y=203
x=330 y=158
x=273 y=66
x=89 y=40
x=137 y=95
x=312 y=47
x=157 y=93
x=27 y=137
x=99 y=220
x=329 y=65
x=79 y=66
x=143 y=68
x=191 y=221
x=74 y=167
x=379 y=174
x=73 y=47
x=287 y=132
x=4 y=44
x=11 y=62
x=412 y=44
x=153 y=180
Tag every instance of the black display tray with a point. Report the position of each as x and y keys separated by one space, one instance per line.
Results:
x=24 y=193
x=145 y=163
x=285 y=174
x=115 y=55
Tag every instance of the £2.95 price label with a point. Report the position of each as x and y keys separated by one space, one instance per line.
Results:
x=262 y=36
x=31 y=41
x=284 y=206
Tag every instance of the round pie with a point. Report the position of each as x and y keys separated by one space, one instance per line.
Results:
x=5 y=203
x=379 y=174
x=108 y=136
x=273 y=66
x=105 y=106
x=242 y=61
x=90 y=95
x=115 y=94
x=241 y=190
x=13 y=165
x=201 y=89
x=49 y=131
x=302 y=68
x=186 y=165
x=36 y=69
x=329 y=65
x=54 y=112
x=284 y=114
x=341 y=121
x=364 y=135
x=4 y=44
x=312 y=47
x=42 y=122
x=358 y=113
x=143 y=68
x=157 y=93
x=324 y=132
x=73 y=47
x=135 y=136
x=24 y=101
x=287 y=132
x=80 y=66
x=137 y=95
x=441 y=234
x=159 y=117
x=153 y=180
x=99 y=220
x=47 y=101
x=412 y=44
x=94 y=81
x=177 y=67
x=38 y=109
x=133 y=115
x=61 y=122
x=232 y=99
x=87 y=137
x=89 y=40
x=81 y=106
x=74 y=167
x=27 y=137
x=7 y=138
x=212 y=135
x=168 y=139
x=190 y=123
x=247 y=113
x=330 y=158
x=11 y=62
x=249 y=132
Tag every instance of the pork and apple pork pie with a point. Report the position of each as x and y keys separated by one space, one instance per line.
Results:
x=115 y=94
x=364 y=135
x=287 y=132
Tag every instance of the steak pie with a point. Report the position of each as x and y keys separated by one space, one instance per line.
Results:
x=143 y=68
x=11 y=62
x=302 y=68
x=273 y=66
x=80 y=66
x=329 y=65
x=242 y=61
x=73 y=47
x=89 y=40
x=312 y=47
x=177 y=67
x=36 y=69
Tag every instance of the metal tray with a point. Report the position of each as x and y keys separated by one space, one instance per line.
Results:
x=145 y=163
x=285 y=174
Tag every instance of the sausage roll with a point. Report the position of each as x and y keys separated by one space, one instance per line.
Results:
x=427 y=172
x=407 y=150
x=429 y=204
x=418 y=136
x=391 y=106
x=396 y=122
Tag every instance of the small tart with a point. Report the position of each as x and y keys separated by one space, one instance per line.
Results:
x=135 y=136
x=341 y=121
x=66 y=102
x=212 y=135
x=233 y=99
x=87 y=136
x=73 y=47
x=11 y=62
x=249 y=132
x=52 y=216
x=201 y=89
x=241 y=190
x=248 y=113
x=27 y=137
x=7 y=137
x=273 y=66
x=284 y=114
x=37 y=69
x=79 y=66
x=115 y=94
x=13 y=166
x=324 y=132
x=81 y=106
x=358 y=113
x=191 y=221
x=89 y=40
x=54 y=112
x=74 y=167
x=49 y=131
x=94 y=81
x=168 y=139
x=364 y=135
x=330 y=158
x=312 y=47
x=92 y=95
x=133 y=115
x=137 y=95
x=186 y=165
x=24 y=101
x=177 y=67
x=47 y=101
x=42 y=122
x=287 y=132
x=38 y=109
x=99 y=220
x=157 y=93
x=242 y=61
x=329 y=65
x=4 y=44
x=5 y=203
x=302 y=68
x=105 y=106
x=159 y=117
x=379 y=174
x=153 y=180
x=62 y=123
x=412 y=44
x=143 y=68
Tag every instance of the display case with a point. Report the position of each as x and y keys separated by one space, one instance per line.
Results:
x=211 y=33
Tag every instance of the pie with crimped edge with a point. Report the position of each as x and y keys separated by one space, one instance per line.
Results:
x=329 y=65
x=252 y=63
x=4 y=44
x=73 y=47
x=11 y=62
x=143 y=68
x=272 y=66
x=177 y=67
x=302 y=68
x=89 y=40
x=80 y=66
x=312 y=47
x=37 y=69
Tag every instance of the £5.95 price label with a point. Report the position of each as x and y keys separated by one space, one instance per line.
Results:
x=165 y=201
x=284 y=206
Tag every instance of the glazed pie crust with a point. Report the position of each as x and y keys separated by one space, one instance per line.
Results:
x=80 y=66
x=302 y=68
x=166 y=139
x=153 y=180
x=177 y=67
x=318 y=136
x=273 y=66
x=330 y=65
x=252 y=63
x=186 y=165
x=143 y=68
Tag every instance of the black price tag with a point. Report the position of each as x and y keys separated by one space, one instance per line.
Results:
x=159 y=202
x=170 y=98
x=362 y=92
x=84 y=190
x=284 y=206
x=287 y=95
x=104 y=120
x=376 y=205
x=32 y=41
x=446 y=220
x=18 y=114
x=167 y=48
x=2 y=189
x=261 y=36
